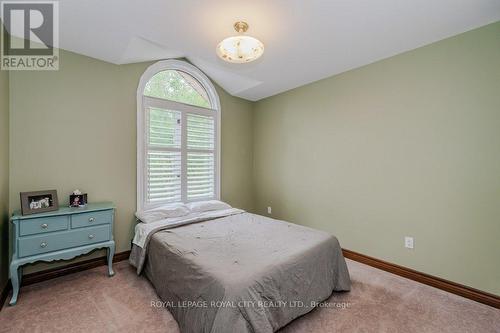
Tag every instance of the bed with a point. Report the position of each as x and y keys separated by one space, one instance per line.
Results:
x=232 y=271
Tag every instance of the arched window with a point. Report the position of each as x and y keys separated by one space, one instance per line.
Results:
x=178 y=135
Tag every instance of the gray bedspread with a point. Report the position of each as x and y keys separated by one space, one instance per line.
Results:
x=242 y=273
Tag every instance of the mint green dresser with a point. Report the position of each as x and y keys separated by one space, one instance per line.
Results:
x=60 y=235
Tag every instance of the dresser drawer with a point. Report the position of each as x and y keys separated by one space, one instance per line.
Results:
x=90 y=219
x=42 y=225
x=49 y=242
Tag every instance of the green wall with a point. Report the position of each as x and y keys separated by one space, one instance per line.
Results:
x=76 y=128
x=406 y=146
x=4 y=177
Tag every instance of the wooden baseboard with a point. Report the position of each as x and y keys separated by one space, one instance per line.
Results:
x=61 y=271
x=433 y=281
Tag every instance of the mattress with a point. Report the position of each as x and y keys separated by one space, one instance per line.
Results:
x=242 y=272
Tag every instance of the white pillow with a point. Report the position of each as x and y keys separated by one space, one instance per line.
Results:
x=162 y=212
x=204 y=206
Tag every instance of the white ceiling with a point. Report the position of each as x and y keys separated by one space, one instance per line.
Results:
x=305 y=40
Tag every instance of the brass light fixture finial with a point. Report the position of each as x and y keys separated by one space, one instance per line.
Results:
x=241 y=27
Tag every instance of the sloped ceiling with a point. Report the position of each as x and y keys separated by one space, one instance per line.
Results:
x=305 y=40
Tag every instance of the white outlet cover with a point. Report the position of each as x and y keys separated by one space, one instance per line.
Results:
x=409 y=242
x=269 y=210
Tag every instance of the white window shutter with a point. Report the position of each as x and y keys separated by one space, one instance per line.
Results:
x=200 y=157
x=163 y=156
x=164 y=160
x=164 y=176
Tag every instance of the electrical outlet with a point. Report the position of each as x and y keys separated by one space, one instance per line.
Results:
x=269 y=210
x=409 y=242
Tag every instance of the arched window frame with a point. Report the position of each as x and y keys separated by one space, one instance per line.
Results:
x=141 y=124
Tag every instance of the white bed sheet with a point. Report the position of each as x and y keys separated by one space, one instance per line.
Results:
x=142 y=230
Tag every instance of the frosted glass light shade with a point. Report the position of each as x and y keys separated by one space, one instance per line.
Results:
x=240 y=49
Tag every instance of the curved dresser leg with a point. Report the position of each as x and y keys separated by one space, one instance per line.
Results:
x=111 y=253
x=20 y=274
x=14 y=279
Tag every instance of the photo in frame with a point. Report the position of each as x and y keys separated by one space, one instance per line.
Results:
x=78 y=200
x=38 y=202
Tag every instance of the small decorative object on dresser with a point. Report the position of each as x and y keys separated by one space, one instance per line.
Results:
x=60 y=235
x=77 y=199
x=38 y=202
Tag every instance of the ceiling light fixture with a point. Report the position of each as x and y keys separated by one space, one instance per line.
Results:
x=240 y=49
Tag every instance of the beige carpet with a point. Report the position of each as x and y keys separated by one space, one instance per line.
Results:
x=379 y=302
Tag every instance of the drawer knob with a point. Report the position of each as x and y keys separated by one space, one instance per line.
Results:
x=43 y=244
x=91 y=236
x=44 y=226
x=91 y=219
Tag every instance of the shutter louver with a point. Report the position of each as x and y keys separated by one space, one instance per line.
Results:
x=164 y=128
x=164 y=156
x=200 y=176
x=200 y=157
x=200 y=132
x=164 y=176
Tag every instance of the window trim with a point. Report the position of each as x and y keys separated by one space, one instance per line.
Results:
x=172 y=64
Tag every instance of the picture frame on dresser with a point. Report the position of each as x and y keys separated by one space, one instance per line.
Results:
x=35 y=202
x=78 y=200
x=60 y=235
